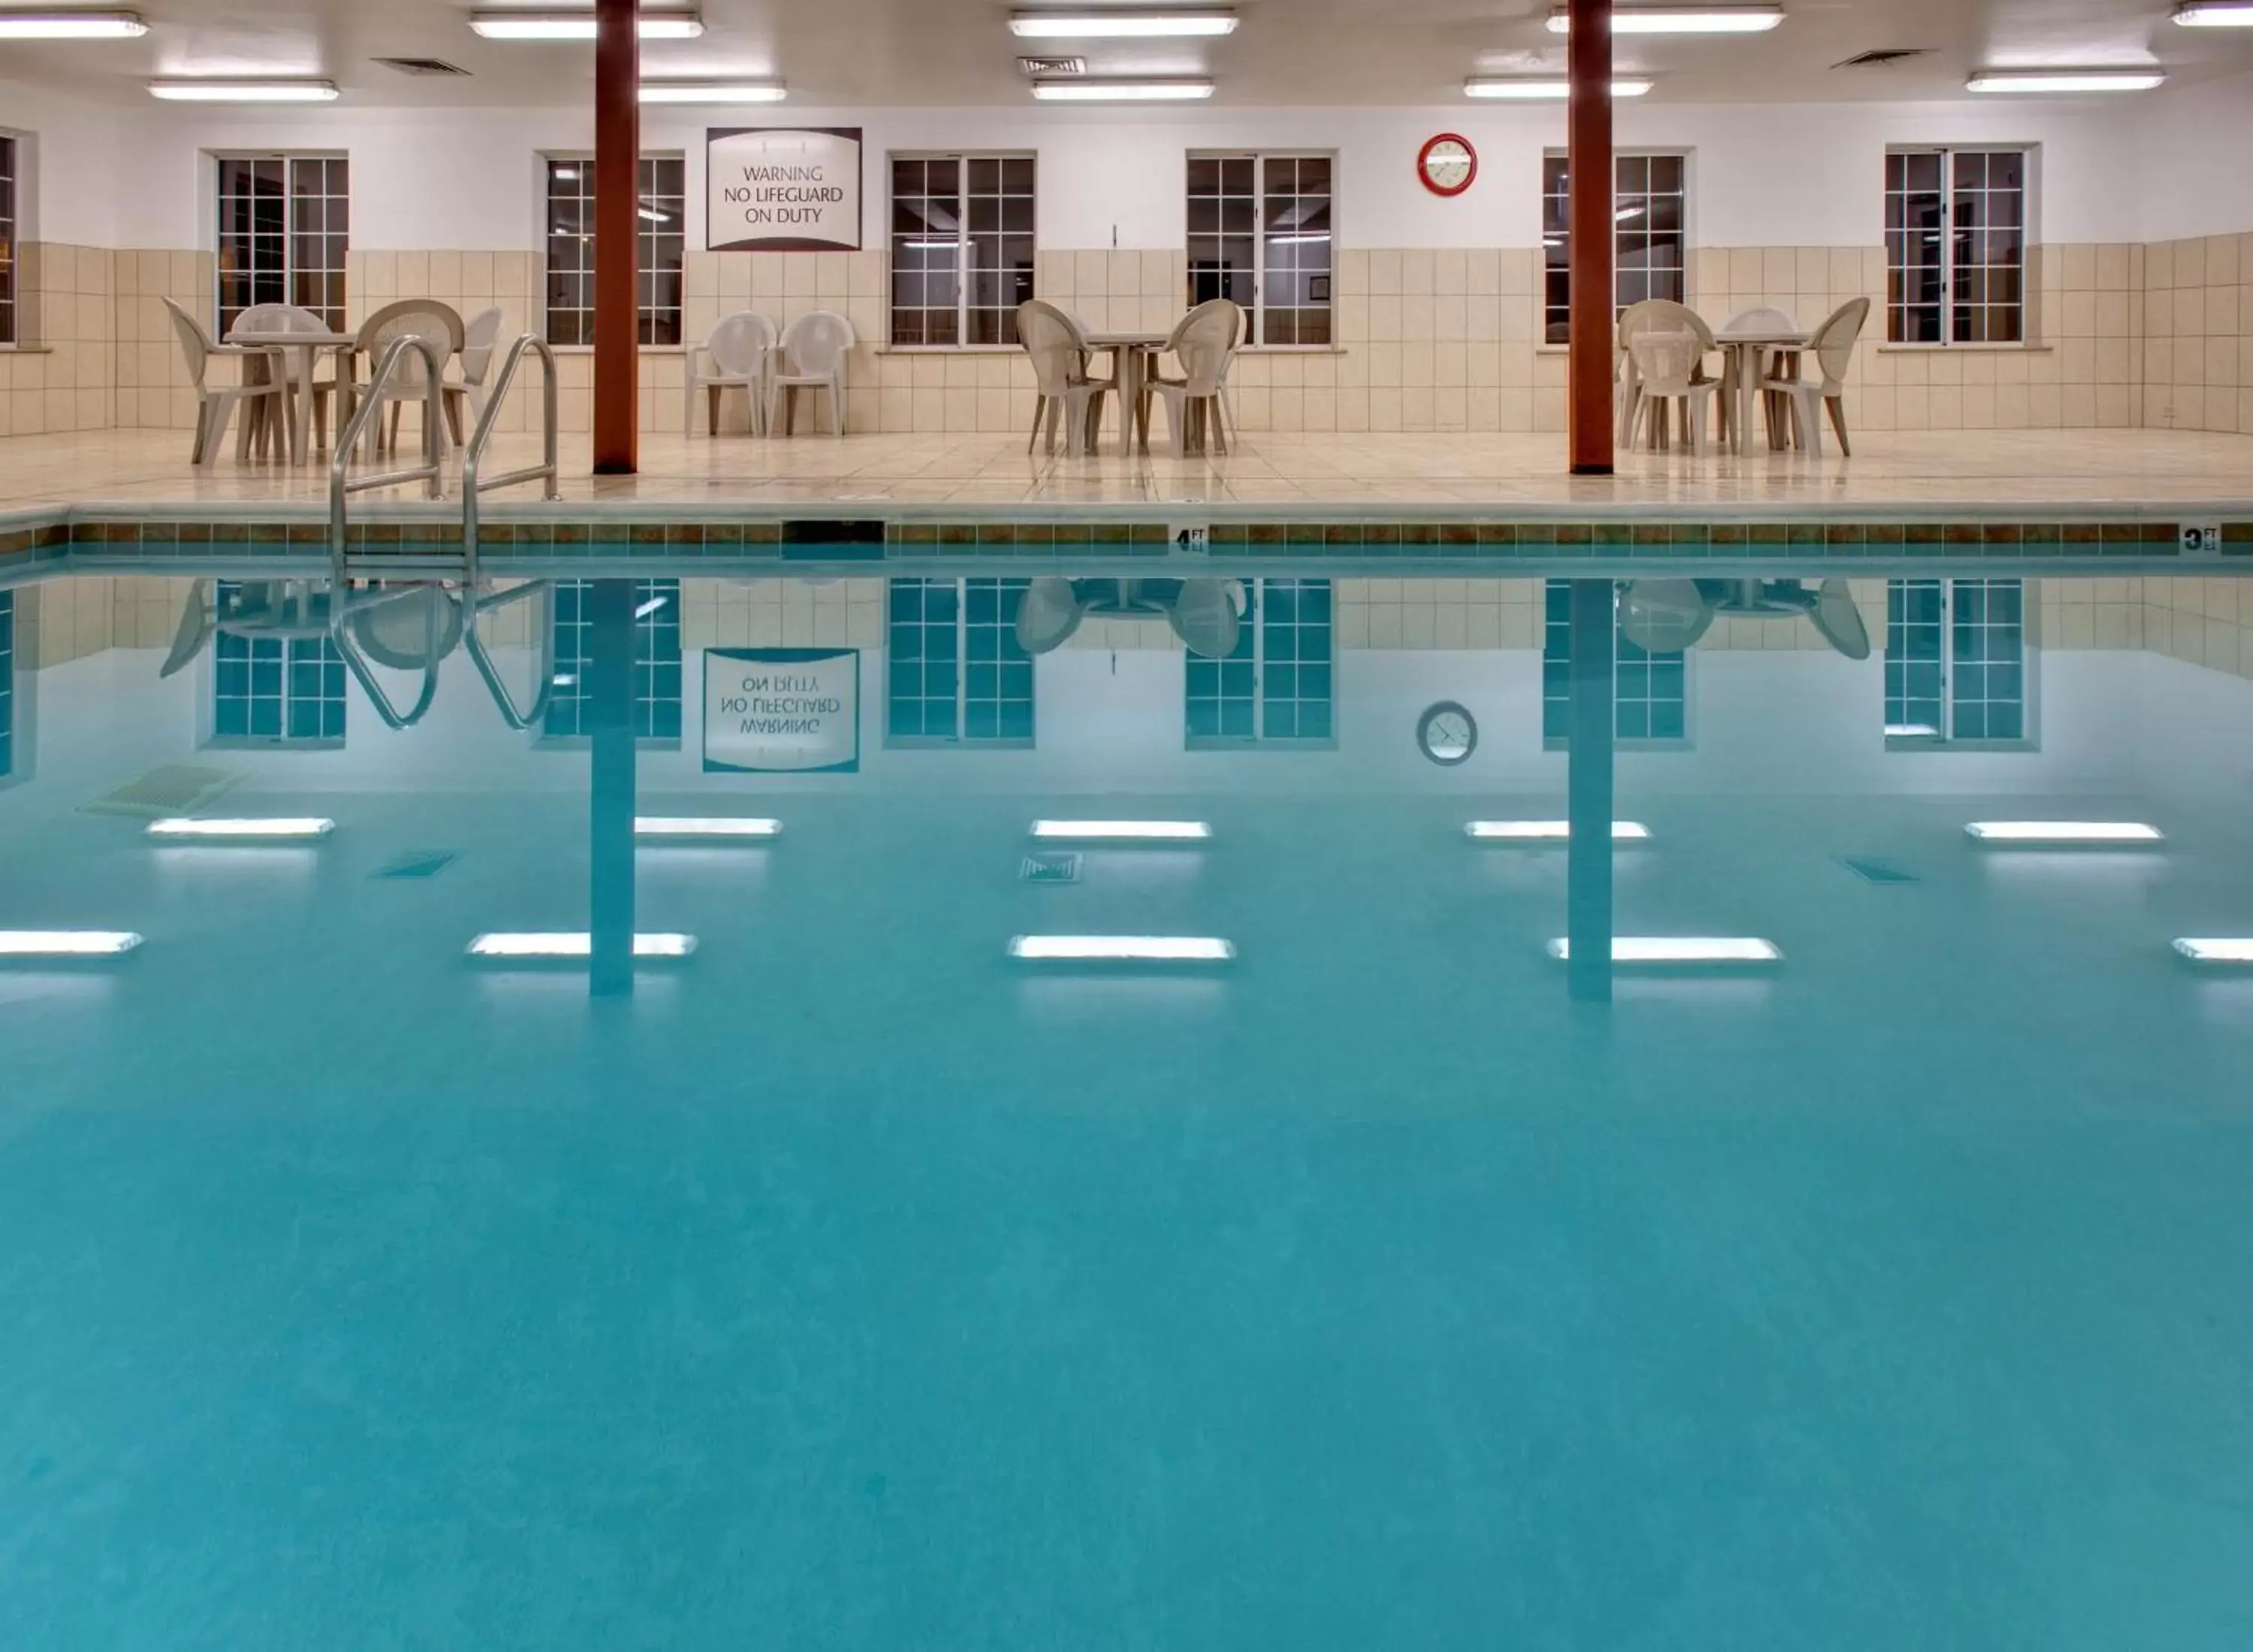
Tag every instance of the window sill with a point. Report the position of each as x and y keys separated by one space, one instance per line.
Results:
x=26 y=350
x=2030 y=349
x=646 y=350
x=1016 y=350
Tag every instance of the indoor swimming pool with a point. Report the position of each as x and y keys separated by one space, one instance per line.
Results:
x=890 y=1255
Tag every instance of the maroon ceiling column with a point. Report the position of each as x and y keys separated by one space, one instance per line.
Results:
x=618 y=236
x=1588 y=159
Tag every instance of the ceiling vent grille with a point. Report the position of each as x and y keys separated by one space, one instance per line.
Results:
x=421 y=65
x=1884 y=56
x=1048 y=67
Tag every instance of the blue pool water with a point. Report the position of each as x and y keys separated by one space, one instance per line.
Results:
x=846 y=1285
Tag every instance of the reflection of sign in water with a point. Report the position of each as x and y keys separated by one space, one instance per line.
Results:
x=782 y=189
x=782 y=710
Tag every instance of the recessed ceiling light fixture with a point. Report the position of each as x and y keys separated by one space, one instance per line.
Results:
x=2215 y=14
x=564 y=947
x=1120 y=24
x=580 y=25
x=1121 y=831
x=1547 y=832
x=67 y=942
x=712 y=92
x=280 y=830
x=1682 y=20
x=1655 y=951
x=244 y=91
x=1170 y=91
x=1121 y=949
x=71 y=26
x=705 y=828
x=1541 y=91
x=2036 y=81
x=2064 y=834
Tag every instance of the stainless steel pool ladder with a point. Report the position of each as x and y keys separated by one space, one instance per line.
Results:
x=395 y=562
x=474 y=481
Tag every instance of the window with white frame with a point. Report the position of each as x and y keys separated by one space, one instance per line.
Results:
x=656 y=660
x=284 y=234
x=271 y=691
x=962 y=248
x=1260 y=233
x=1651 y=217
x=1956 y=245
x=1650 y=692
x=662 y=210
x=10 y=213
x=1280 y=684
x=1959 y=669
x=956 y=672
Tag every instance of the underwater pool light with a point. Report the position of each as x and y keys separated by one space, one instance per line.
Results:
x=67 y=942
x=1547 y=832
x=1682 y=949
x=283 y=830
x=725 y=828
x=1122 y=830
x=1121 y=949
x=2063 y=833
x=575 y=946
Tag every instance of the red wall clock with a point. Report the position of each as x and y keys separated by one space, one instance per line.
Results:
x=1447 y=163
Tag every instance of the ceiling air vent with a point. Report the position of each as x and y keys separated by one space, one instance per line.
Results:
x=1043 y=68
x=1884 y=56
x=423 y=66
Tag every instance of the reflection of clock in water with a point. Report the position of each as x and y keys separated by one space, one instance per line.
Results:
x=1446 y=164
x=1448 y=733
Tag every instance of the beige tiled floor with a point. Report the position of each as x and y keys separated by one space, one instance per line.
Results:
x=2041 y=468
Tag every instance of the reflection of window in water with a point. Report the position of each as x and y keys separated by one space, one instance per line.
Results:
x=657 y=660
x=1650 y=691
x=1956 y=666
x=283 y=689
x=1280 y=682
x=954 y=670
x=7 y=684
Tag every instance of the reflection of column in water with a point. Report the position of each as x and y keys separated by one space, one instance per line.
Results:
x=1588 y=787
x=610 y=813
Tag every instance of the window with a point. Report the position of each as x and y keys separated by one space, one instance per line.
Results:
x=1280 y=684
x=272 y=690
x=284 y=229
x=1260 y=233
x=954 y=670
x=1956 y=247
x=9 y=214
x=7 y=684
x=1650 y=213
x=962 y=248
x=1957 y=667
x=1650 y=693
x=662 y=206
x=656 y=662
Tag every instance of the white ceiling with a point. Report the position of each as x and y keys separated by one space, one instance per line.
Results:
x=960 y=53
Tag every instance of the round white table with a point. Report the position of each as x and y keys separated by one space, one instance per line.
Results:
x=299 y=351
x=1745 y=355
x=1134 y=350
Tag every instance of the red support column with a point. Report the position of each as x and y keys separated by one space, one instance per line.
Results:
x=1588 y=152
x=618 y=237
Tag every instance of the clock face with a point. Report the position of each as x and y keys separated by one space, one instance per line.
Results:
x=1448 y=733
x=1447 y=164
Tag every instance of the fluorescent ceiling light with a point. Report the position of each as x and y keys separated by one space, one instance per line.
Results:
x=1682 y=949
x=2038 y=80
x=1547 y=832
x=580 y=25
x=1122 y=830
x=2237 y=952
x=2215 y=14
x=71 y=26
x=2063 y=832
x=244 y=91
x=712 y=92
x=1120 y=25
x=67 y=942
x=1544 y=91
x=1682 y=20
x=578 y=945
x=272 y=831
x=1121 y=91
x=1911 y=730
x=723 y=827
x=1121 y=949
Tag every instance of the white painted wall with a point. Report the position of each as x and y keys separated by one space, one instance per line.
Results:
x=73 y=158
x=2193 y=174
x=1783 y=175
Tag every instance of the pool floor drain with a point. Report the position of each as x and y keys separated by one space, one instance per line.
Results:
x=1876 y=871
x=418 y=864
x=1050 y=868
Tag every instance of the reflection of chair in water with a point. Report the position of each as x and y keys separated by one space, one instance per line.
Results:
x=1206 y=614
x=1667 y=616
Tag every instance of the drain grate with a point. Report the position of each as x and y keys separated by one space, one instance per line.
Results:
x=1876 y=871
x=1050 y=868
x=418 y=864
x=173 y=789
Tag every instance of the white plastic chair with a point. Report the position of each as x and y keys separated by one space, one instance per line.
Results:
x=440 y=326
x=736 y=354
x=466 y=400
x=1059 y=354
x=1833 y=346
x=1203 y=342
x=814 y=352
x=1661 y=315
x=289 y=319
x=215 y=403
x=1666 y=366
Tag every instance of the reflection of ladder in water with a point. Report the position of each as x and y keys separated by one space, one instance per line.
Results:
x=432 y=564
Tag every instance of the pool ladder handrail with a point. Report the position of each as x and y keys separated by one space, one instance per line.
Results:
x=431 y=472
x=474 y=483
x=503 y=699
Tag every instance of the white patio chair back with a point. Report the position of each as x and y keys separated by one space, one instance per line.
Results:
x=195 y=343
x=739 y=343
x=1834 y=342
x=1203 y=341
x=1665 y=361
x=439 y=325
x=1663 y=315
x=1056 y=347
x=814 y=345
x=478 y=338
x=1762 y=318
